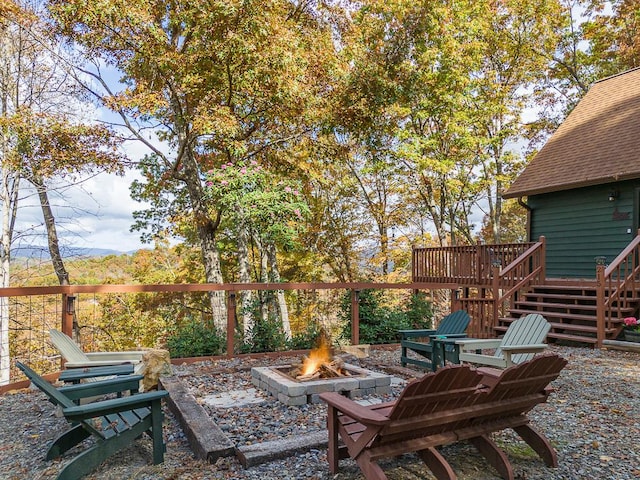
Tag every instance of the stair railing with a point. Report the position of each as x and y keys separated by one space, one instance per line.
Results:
x=507 y=283
x=527 y=269
x=616 y=287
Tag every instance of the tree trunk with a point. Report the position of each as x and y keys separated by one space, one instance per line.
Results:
x=52 y=233
x=275 y=278
x=206 y=228
x=264 y=278
x=246 y=297
x=9 y=200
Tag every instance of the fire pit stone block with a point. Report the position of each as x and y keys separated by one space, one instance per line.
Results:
x=289 y=391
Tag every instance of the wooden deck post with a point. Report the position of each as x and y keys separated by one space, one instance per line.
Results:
x=600 y=299
x=355 y=317
x=231 y=322
x=495 y=292
x=543 y=260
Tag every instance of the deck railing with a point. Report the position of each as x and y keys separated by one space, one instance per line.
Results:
x=491 y=276
x=617 y=287
x=466 y=264
x=34 y=310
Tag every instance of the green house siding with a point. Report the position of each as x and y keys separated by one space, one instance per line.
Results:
x=582 y=224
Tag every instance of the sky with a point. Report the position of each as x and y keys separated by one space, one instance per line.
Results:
x=97 y=214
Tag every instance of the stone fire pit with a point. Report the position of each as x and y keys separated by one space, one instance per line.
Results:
x=290 y=391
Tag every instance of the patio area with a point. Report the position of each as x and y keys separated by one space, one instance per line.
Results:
x=590 y=419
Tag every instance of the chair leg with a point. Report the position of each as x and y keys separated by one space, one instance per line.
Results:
x=91 y=458
x=494 y=455
x=370 y=469
x=332 y=450
x=156 y=430
x=67 y=440
x=437 y=464
x=539 y=443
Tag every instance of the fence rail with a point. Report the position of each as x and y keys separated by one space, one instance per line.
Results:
x=34 y=310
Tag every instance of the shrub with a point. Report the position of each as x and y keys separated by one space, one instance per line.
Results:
x=380 y=324
x=195 y=339
x=307 y=338
x=266 y=335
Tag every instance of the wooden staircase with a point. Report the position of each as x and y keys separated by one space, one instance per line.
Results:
x=571 y=311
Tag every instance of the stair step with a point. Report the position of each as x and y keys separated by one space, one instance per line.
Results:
x=572 y=338
x=567 y=306
x=565 y=288
x=559 y=296
x=562 y=336
x=566 y=326
x=567 y=316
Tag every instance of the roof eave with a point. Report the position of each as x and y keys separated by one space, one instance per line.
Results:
x=569 y=186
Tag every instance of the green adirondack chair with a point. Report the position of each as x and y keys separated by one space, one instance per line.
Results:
x=114 y=423
x=451 y=326
x=522 y=340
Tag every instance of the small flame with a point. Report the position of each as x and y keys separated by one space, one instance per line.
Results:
x=316 y=357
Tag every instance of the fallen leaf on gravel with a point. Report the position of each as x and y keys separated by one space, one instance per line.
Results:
x=605 y=458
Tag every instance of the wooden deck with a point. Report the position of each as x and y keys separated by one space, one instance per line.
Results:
x=495 y=293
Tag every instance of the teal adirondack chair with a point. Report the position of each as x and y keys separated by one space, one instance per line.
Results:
x=451 y=326
x=114 y=423
x=522 y=340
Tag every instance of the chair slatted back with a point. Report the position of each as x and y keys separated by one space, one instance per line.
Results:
x=529 y=377
x=415 y=411
x=528 y=330
x=67 y=347
x=454 y=323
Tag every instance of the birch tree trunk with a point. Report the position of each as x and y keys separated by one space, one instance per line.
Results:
x=9 y=198
x=264 y=278
x=283 y=310
x=246 y=297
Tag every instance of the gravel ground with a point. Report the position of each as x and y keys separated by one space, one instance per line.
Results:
x=590 y=419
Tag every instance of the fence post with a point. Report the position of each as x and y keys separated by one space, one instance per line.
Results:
x=600 y=298
x=68 y=311
x=231 y=322
x=355 y=317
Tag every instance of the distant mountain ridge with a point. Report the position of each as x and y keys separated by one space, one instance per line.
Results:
x=69 y=252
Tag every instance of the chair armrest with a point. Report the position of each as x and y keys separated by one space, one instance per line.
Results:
x=533 y=348
x=97 y=363
x=106 y=407
x=448 y=335
x=416 y=333
x=130 y=383
x=77 y=374
x=352 y=409
x=478 y=344
x=132 y=356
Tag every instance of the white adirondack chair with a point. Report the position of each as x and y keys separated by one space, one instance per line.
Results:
x=522 y=340
x=76 y=358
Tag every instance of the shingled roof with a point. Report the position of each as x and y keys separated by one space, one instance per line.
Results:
x=599 y=142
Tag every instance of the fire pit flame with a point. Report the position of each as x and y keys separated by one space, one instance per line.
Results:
x=316 y=357
x=319 y=364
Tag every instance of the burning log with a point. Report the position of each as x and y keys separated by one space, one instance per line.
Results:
x=319 y=364
x=331 y=369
